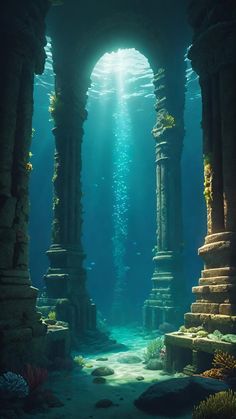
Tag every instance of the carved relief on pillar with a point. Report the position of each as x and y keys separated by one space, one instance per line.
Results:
x=164 y=302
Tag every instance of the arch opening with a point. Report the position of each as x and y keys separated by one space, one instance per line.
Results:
x=119 y=184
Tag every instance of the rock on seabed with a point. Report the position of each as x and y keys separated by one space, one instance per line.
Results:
x=177 y=395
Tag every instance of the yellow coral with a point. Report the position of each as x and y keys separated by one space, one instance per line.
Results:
x=52 y=315
x=226 y=362
x=208 y=177
x=29 y=166
x=56 y=106
x=217 y=406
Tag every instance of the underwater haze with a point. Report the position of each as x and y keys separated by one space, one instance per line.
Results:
x=118 y=178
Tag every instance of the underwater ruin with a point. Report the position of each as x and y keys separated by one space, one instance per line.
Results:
x=117 y=193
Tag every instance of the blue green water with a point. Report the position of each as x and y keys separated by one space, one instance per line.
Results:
x=118 y=179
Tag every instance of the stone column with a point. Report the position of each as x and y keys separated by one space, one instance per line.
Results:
x=21 y=330
x=216 y=294
x=66 y=277
x=213 y=56
x=164 y=303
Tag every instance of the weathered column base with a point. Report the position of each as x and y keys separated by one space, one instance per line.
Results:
x=22 y=333
x=214 y=312
x=65 y=285
x=154 y=315
x=163 y=304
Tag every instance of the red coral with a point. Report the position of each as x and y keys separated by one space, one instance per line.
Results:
x=34 y=376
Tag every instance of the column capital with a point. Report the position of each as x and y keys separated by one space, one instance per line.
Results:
x=214 y=49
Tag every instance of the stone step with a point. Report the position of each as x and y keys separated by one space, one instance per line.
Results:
x=217 y=280
x=227 y=309
x=215 y=272
x=225 y=324
x=199 y=307
x=45 y=310
x=220 y=288
x=44 y=301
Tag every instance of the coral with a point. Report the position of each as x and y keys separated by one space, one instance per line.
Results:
x=226 y=362
x=13 y=385
x=217 y=373
x=217 y=406
x=34 y=376
x=224 y=366
x=56 y=106
x=52 y=315
x=154 y=349
x=208 y=176
x=29 y=167
x=164 y=121
x=216 y=335
x=193 y=329
x=202 y=334
x=79 y=361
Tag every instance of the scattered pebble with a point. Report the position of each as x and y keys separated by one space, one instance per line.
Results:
x=140 y=378
x=104 y=403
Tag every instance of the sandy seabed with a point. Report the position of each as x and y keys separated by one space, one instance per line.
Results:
x=79 y=394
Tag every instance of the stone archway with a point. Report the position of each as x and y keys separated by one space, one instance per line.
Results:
x=73 y=63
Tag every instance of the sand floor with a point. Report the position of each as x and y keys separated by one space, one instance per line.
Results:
x=79 y=394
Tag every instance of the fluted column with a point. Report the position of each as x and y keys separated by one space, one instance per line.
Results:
x=66 y=277
x=164 y=303
x=21 y=330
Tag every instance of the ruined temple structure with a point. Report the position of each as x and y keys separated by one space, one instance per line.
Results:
x=81 y=33
x=213 y=56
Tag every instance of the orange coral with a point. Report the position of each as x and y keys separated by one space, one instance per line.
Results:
x=224 y=366
x=217 y=373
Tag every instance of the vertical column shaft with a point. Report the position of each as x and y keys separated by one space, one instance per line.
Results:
x=164 y=303
x=66 y=277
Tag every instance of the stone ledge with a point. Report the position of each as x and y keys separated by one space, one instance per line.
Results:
x=216 y=272
x=220 y=288
x=199 y=344
x=225 y=324
x=218 y=280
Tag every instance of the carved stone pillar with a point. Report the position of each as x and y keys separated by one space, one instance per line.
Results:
x=164 y=303
x=21 y=330
x=213 y=56
x=66 y=277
